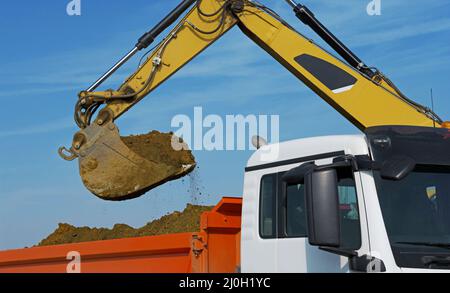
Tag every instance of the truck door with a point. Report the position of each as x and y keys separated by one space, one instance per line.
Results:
x=288 y=229
x=281 y=244
x=259 y=223
x=294 y=252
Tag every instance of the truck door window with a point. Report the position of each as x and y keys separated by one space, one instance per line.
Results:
x=349 y=214
x=267 y=215
x=296 y=222
x=292 y=222
x=295 y=212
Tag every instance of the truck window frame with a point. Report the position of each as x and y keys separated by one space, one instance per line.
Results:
x=274 y=234
x=277 y=199
x=280 y=209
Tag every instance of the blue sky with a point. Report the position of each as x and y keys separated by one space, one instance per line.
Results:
x=46 y=57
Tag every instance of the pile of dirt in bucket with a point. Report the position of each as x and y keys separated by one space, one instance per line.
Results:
x=157 y=147
x=177 y=222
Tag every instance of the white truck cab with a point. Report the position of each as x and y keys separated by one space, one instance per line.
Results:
x=378 y=202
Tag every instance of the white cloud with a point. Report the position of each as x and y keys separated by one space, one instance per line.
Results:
x=401 y=32
x=45 y=127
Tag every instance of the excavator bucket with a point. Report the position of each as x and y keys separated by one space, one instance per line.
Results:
x=119 y=168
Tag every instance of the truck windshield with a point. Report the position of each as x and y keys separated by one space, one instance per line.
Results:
x=416 y=212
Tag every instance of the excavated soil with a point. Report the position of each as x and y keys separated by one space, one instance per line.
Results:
x=157 y=146
x=177 y=222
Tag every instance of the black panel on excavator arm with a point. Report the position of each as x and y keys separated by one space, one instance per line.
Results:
x=330 y=75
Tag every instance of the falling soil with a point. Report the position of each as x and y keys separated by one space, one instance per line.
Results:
x=156 y=146
x=177 y=222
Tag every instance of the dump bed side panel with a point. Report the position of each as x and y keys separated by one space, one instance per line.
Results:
x=167 y=253
x=215 y=248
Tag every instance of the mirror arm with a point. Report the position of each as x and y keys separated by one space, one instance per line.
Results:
x=297 y=174
x=358 y=163
x=339 y=251
x=334 y=165
x=365 y=163
x=366 y=264
x=357 y=263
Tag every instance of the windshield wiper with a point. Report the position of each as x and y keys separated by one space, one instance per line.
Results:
x=431 y=261
x=432 y=244
x=436 y=260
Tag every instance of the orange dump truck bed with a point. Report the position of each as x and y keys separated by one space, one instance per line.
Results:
x=215 y=248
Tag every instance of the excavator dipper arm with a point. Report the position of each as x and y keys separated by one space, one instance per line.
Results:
x=205 y=23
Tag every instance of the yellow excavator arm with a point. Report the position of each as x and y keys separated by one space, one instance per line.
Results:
x=365 y=101
x=361 y=94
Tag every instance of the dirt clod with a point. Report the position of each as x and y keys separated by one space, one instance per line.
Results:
x=177 y=222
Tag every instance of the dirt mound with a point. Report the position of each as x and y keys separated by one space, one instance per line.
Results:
x=177 y=222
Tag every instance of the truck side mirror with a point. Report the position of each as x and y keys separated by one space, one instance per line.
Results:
x=322 y=207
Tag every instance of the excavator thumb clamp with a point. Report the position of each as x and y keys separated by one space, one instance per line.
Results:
x=119 y=168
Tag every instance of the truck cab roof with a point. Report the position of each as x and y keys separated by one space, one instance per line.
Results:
x=307 y=149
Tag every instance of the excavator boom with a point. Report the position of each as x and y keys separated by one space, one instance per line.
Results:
x=364 y=96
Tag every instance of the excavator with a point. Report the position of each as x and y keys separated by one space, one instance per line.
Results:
x=362 y=94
